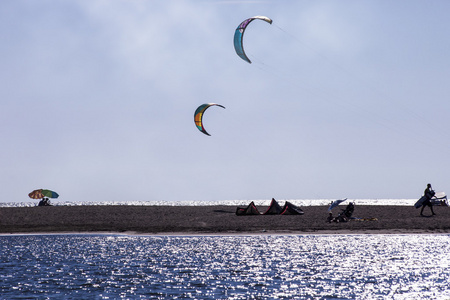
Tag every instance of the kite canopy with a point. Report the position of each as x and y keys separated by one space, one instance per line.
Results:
x=239 y=34
x=274 y=209
x=336 y=203
x=198 y=115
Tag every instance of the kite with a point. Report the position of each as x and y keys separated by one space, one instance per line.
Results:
x=198 y=115
x=336 y=203
x=239 y=34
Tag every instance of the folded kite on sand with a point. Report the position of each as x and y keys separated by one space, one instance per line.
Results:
x=274 y=209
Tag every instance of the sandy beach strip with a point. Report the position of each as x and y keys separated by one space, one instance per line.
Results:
x=194 y=220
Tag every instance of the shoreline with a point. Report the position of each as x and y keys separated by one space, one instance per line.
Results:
x=216 y=220
x=231 y=234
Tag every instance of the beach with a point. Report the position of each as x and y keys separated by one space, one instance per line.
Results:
x=191 y=220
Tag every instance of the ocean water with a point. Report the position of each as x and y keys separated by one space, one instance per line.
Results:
x=225 y=267
x=264 y=202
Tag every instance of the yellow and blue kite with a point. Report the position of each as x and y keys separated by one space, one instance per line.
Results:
x=198 y=115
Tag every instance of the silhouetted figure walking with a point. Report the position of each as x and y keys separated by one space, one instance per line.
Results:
x=428 y=193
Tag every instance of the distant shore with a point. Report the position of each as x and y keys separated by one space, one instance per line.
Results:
x=210 y=220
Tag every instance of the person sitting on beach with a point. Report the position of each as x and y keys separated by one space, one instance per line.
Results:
x=330 y=218
x=44 y=202
x=428 y=193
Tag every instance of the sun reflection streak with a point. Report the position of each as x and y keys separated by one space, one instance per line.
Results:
x=234 y=267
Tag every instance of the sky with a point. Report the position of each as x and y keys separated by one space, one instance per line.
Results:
x=343 y=99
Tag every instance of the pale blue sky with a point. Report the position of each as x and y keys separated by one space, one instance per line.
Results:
x=343 y=99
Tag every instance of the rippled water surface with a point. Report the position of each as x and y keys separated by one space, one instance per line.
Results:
x=266 y=202
x=225 y=267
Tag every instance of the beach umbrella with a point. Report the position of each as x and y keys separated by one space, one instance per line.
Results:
x=50 y=194
x=336 y=203
x=36 y=194
x=41 y=193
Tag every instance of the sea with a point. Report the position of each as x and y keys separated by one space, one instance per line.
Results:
x=225 y=267
x=306 y=266
x=258 y=202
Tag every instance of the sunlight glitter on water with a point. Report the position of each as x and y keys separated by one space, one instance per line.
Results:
x=299 y=202
x=227 y=267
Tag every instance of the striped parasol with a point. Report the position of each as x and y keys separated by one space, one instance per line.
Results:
x=41 y=193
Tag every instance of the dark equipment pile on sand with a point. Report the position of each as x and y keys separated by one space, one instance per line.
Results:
x=345 y=215
x=274 y=209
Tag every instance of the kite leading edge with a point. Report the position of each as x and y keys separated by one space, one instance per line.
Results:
x=239 y=34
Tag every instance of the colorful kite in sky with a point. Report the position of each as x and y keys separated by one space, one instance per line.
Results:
x=239 y=34
x=198 y=115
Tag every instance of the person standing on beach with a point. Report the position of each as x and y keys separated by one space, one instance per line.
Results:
x=428 y=193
